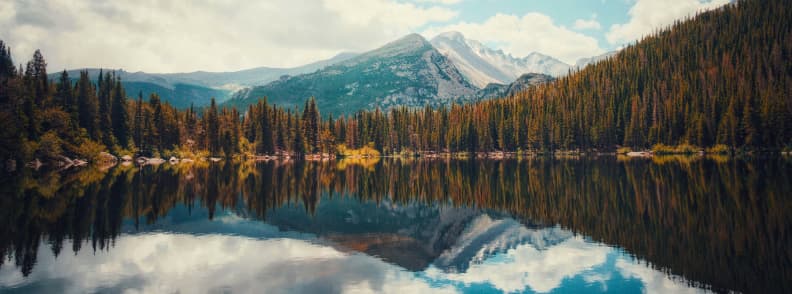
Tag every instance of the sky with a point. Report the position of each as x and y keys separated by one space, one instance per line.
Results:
x=221 y=35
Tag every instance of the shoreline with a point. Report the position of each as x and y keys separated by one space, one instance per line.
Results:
x=108 y=160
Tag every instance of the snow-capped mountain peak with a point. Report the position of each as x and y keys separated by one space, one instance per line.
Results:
x=482 y=65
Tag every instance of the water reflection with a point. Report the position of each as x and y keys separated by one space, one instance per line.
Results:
x=533 y=225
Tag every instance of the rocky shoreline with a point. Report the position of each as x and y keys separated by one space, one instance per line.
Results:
x=105 y=159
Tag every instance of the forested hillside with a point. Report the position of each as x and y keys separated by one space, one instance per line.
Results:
x=723 y=77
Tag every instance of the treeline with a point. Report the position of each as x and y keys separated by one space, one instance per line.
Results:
x=46 y=119
x=722 y=77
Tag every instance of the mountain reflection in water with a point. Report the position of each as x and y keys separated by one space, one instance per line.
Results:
x=538 y=225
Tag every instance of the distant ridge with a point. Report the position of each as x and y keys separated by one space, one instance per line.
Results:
x=197 y=88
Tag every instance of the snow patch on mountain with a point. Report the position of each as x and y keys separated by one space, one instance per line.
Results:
x=486 y=236
x=482 y=65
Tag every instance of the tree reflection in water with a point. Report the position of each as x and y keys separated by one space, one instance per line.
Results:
x=715 y=221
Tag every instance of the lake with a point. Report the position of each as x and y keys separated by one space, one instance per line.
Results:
x=601 y=224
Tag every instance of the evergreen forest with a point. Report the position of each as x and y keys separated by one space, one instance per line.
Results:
x=720 y=78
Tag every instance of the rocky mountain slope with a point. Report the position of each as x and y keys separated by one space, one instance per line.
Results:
x=405 y=72
x=523 y=82
x=482 y=65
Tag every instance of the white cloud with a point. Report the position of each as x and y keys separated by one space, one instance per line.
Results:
x=168 y=36
x=587 y=24
x=655 y=281
x=646 y=16
x=164 y=263
x=540 y=270
x=532 y=32
x=170 y=262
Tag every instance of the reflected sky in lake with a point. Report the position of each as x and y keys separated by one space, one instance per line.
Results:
x=673 y=225
x=190 y=253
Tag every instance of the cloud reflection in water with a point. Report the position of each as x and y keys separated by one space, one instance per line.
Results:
x=171 y=262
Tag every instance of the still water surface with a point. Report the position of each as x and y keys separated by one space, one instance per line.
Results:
x=668 y=225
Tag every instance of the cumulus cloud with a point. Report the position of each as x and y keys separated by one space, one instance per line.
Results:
x=166 y=263
x=522 y=35
x=169 y=36
x=170 y=262
x=646 y=16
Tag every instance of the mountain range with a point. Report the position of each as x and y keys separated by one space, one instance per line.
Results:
x=416 y=236
x=405 y=72
x=410 y=71
x=197 y=88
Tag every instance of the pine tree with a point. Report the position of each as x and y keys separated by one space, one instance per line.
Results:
x=311 y=125
x=88 y=106
x=749 y=124
x=280 y=133
x=727 y=129
x=265 y=134
x=38 y=71
x=227 y=143
x=7 y=69
x=64 y=99
x=156 y=119
x=138 y=123
x=120 y=115
x=64 y=96
x=298 y=145
x=212 y=128
x=7 y=72
x=104 y=84
x=146 y=147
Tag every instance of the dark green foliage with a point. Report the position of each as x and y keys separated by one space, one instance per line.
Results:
x=723 y=77
x=36 y=76
x=88 y=105
x=64 y=97
x=104 y=85
x=138 y=123
x=310 y=124
x=213 y=128
x=7 y=69
x=264 y=135
x=120 y=115
x=155 y=131
x=298 y=146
